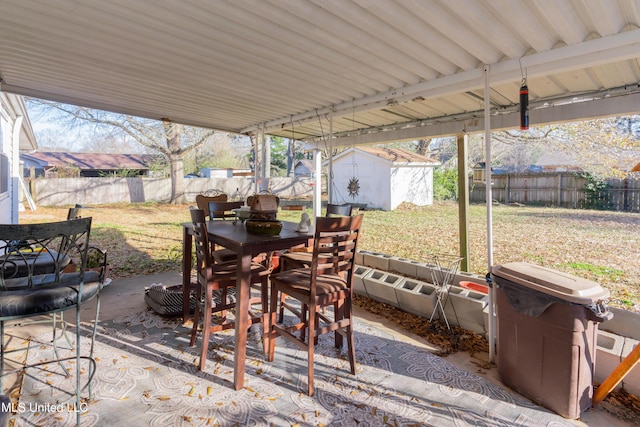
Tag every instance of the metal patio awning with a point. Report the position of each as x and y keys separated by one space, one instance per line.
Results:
x=383 y=70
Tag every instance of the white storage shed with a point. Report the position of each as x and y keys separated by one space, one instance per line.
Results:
x=382 y=178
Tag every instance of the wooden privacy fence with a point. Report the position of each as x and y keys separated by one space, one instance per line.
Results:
x=566 y=189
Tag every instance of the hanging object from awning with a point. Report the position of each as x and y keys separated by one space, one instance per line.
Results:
x=524 y=105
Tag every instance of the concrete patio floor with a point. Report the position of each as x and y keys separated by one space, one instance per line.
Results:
x=127 y=296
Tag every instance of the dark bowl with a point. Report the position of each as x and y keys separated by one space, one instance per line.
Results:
x=264 y=228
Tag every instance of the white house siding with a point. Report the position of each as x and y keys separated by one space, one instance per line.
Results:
x=8 y=209
x=5 y=198
x=412 y=184
x=15 y=135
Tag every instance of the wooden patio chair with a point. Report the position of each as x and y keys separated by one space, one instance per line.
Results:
x=221 y=211
x=215 y=289
x=327 y=282
x=301 y=258
x=203 y=200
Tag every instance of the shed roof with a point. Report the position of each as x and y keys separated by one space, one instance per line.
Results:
x=306 y=163
x=381 y=70
x=390 y=155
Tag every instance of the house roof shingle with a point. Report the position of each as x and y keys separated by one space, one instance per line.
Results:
x=93 y=161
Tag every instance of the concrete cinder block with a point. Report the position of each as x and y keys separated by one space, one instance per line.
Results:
x=359 y=271
x=403 y=266
x=463 y=276
x=359 y=258
x=631 y=382
x=433 y=274
x=465 y=309
x=608 y=355
x=468 y=304
x=424 y=271
x=416 y=297
x=376 y=260
x=625 y=323
x=380 y=286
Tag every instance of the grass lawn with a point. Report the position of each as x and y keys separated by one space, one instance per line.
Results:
x=598 y=245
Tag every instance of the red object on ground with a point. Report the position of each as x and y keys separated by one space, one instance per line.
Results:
x=475 y=287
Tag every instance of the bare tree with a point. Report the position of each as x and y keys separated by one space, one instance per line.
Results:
x=602 y=147
x=422 y=147
x=172 y=140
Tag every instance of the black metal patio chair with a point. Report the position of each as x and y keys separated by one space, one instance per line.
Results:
x=43 y=270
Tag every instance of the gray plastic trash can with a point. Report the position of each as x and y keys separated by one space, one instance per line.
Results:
x=547 y=327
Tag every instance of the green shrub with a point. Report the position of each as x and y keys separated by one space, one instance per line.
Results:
x=445 y=184
x=597 y=195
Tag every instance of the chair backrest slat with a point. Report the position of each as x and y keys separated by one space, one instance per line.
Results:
x=223 y=210
x=202 y=201
x=74 y=212
x=338 y=210
x=335 y=245
x=201 y=239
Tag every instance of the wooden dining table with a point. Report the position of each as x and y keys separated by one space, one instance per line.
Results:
x=233 y=235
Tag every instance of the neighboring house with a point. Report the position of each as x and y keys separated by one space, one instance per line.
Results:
x=52 y=164
x=382 y=178
x=16 y=135
x=303 y=168
x=556 y=162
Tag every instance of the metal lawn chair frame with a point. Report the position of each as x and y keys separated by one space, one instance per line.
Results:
x=43 y=270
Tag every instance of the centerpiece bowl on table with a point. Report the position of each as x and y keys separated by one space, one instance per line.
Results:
x=263 y=227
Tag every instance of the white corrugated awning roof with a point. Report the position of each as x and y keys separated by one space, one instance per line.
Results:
x=383 y=70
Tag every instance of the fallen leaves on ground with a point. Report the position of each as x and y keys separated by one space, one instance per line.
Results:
x=624 y=405
x=436 y=332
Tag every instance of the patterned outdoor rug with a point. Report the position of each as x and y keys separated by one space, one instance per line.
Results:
x=147 y=375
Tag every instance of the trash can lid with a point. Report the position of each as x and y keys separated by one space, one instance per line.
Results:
x=552 y=282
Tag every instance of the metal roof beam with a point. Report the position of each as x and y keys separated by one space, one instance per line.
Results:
x=617 y=47
x=585 y=110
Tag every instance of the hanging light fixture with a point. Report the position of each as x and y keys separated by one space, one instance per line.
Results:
x=524 y=105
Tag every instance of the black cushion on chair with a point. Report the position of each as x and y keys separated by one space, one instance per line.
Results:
x=19 y=301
